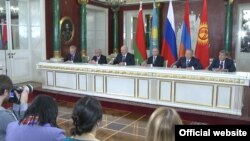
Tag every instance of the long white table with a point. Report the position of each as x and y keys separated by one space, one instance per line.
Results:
x=200 y=90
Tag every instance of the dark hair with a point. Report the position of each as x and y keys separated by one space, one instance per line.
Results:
x=45 y=108
x=86 y=114
x=5 y=83
x=223 y=51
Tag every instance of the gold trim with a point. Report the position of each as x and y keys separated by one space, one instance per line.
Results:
x=65 y=87
x=72 y=32
x=53 y=79
x=166 y=76
x=160 y=81
x=198 y=104
x=83 y=1
x=57 y=54
x=102 y=84
x=138 y=83
x=79 y=82
x=230 y=99
x=83 y=53
x=121 y=94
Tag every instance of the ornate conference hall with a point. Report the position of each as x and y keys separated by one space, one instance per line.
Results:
x=112 y=68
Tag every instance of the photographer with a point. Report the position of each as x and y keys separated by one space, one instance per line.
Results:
x=17 y=111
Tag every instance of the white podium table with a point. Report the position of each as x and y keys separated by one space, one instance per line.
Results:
x=199 y=90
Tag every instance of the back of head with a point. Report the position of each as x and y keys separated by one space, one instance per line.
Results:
x=5 y=83
x=44 y=108
x=86 y=115
x=161 y=125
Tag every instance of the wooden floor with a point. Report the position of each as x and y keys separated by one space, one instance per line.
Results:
x=125 y=122
x=117 y=125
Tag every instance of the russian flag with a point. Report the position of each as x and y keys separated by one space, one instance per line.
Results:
x=169 y=48
x=185 y=37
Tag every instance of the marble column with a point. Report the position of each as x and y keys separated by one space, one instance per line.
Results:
x=83 y=28
x=228 y=26
x=115 y=30
x=56 y=32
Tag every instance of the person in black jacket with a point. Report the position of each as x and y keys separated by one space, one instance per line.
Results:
x=222 y=64
x=188 y=62
x=98 y=58
x=156 y=60
x=124 y=58
x=73 y=55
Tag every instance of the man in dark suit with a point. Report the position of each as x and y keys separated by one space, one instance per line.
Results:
x=98 y=58
x=222 y=64
x=124 y=58
x=73 y=56
x=188 y=62
x=156 y=60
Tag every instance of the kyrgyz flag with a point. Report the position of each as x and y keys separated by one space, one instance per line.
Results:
x=140 y=45
x=185 y=36
x=169 y=48
x=202 y=47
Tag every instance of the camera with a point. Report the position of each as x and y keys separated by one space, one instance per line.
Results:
x=18 y=90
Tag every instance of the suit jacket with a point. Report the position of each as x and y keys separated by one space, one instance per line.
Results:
x=229 y=65
x=102 y=60
x=77 y=58
x=130 y=59
x=159 y=62
x=181 y=63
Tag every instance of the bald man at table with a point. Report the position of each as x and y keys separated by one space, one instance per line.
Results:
x=124 y=58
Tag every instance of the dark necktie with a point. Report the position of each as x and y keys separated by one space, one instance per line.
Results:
x=72 y=58
x=221 y=65
x=154 y=58
x=187 y=63
x=123 y=58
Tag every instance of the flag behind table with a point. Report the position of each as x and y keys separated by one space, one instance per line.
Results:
x=1 y=40
x=202 y=46
x=140 y=45
x=185 y=36
x=4 y=36
x=154 y=43
x=169 y=49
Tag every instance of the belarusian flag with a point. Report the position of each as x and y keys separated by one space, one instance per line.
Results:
x=140 y=45
x=202 y=47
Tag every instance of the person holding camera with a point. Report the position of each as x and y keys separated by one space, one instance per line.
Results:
x=7 y=93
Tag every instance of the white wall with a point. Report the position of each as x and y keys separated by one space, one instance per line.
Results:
x=97 y=30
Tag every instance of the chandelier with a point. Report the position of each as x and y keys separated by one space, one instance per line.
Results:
x=115 y=4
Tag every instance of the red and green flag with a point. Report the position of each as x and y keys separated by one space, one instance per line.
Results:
x=140 y=44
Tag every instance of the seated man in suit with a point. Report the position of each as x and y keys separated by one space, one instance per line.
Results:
x=222 y=64
x=124 y=58
x=188 y=62
x=98 y=58
x=73 y=56
x=156 y=60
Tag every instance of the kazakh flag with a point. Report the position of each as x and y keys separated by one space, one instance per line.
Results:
x=154 y=43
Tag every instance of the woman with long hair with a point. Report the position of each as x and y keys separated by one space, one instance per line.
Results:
x=161 y=125
x=87 y=115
